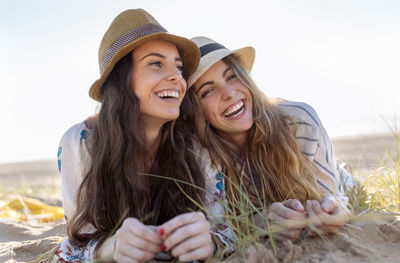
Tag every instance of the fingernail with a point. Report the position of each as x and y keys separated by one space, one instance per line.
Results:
x=299 y=206
x=161 y=231
x=164 y=247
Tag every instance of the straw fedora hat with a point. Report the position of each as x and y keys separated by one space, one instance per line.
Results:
x=129 y=30
x=212 y=52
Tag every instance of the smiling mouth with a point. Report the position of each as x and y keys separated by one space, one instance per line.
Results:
x=235 y=110
x=168 y=95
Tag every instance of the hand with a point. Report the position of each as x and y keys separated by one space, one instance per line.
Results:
x=290 y=215
x=326 y=217
x=136 y=242
x=188 y=237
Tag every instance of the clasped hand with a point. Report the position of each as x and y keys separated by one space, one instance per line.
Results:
x=186 y=236
x=318 y=218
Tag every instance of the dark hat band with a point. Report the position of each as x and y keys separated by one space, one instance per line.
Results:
x=204 y=50
x=127 y=38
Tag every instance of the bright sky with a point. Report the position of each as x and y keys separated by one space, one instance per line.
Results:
x=341 y=56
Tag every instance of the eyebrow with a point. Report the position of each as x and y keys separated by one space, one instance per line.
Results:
x=160 y=56
x=212 y=82
x=225 y=71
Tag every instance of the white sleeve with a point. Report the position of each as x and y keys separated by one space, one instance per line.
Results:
x=72 y=160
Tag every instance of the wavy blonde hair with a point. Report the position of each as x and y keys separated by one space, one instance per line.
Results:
x=273 y=168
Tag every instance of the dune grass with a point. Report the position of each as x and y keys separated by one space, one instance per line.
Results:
x=379 y=190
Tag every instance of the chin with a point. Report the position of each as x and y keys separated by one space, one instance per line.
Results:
x=171 y=117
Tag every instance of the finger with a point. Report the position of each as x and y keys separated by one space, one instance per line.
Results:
x=294 y=204
x=181 y=220
x=138 y=242
x=140 y=255
x=316 y=207
x=334 y=220
x=135 y=227
x=126 y=253
x=187 y=231
x=152 y=228
x=272 y=216
x=328 y=204
x=313 y=211
x=286 y=212
x=319 y=217
x=287 y=217
x=280 y=224
x=192 y=243
x=202 y=253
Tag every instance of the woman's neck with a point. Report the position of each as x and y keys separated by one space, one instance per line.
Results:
x=152 y=133
x=152 y=141
x=238 y=139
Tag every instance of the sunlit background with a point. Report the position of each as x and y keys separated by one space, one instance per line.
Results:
x=341 y=56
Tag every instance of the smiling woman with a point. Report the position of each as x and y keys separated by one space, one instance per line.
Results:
x=276 y=151
x=115 y=209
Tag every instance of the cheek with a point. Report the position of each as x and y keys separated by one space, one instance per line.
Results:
x=210 y=111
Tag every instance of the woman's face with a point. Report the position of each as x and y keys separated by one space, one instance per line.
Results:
x=157 y=81
x=225 y=101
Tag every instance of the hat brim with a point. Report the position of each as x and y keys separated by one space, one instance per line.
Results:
x=245 y=56
x=188 y=51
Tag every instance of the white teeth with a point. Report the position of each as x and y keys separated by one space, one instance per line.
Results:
x=234 y=108
x=168 y=94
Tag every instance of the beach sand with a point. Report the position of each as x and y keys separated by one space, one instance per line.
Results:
x=365 y=239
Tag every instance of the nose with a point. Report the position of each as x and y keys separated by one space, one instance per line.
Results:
x=228 y=92
x=174 y=74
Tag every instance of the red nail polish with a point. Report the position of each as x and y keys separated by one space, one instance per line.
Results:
x=161 y=231
x=164 y=247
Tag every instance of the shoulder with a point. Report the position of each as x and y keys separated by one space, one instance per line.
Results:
x=201 y=153
x=299 y=111
x=72 y=146
x=77 y=133
x=74 y=136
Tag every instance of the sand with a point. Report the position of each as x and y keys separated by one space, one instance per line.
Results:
x=369 y=240
x=24 y=242
x=365 y=239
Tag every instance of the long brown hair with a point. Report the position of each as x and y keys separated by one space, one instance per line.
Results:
x=273 y=168
x=117 y=183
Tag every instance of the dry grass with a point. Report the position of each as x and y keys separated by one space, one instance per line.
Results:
x=379 y=190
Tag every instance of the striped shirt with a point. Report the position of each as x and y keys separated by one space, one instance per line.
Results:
x=316 y=145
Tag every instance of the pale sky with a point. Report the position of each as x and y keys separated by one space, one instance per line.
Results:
x=340 y=56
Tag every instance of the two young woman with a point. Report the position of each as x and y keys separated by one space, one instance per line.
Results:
x=118 y=210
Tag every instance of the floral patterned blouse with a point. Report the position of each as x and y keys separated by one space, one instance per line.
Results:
x=311 y=137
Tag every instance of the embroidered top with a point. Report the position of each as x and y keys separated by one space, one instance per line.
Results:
x=73 y=160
